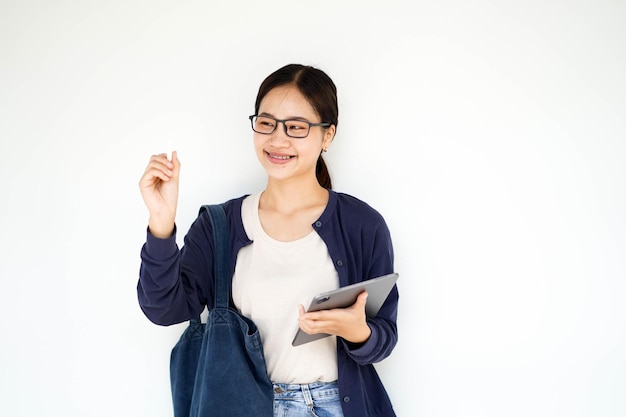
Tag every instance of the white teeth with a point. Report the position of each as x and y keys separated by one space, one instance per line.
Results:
x=280 y=156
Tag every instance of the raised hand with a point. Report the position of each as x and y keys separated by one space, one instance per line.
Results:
x=159 y=189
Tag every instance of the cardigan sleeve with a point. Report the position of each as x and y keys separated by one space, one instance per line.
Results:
x=174 y=283
x=378 y=260
x=359 y=242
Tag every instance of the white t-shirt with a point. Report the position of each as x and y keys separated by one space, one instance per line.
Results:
x=271 y=279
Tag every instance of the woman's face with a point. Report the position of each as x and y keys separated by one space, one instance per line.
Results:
x=284 y=157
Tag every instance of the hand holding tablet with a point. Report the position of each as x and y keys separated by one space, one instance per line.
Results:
x=377 y=288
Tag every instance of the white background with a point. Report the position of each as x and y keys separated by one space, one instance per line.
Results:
x=490 y=134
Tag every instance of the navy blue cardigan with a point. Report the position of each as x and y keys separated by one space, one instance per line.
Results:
x=176 y=285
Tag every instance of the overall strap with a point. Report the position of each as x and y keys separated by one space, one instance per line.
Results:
x=221 y=242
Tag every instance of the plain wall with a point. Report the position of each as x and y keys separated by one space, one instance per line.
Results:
x=491 y=135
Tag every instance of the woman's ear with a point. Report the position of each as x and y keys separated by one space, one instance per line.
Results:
x=329 y=135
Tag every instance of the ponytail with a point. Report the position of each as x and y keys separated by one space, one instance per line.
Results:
x=322 y=174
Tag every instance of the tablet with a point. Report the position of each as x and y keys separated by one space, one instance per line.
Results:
x=377 y=291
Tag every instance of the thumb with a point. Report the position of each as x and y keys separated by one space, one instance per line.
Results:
x=176 y=162
x=361 y=300
x=175 y=159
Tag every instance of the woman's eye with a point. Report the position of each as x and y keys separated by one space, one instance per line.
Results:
x=297 y=127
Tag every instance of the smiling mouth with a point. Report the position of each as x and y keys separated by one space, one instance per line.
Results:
x=281 y=157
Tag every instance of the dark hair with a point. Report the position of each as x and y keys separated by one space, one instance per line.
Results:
x=320 y=92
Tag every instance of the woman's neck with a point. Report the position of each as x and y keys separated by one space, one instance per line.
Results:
x=290 y=196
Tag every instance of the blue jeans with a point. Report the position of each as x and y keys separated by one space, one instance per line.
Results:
x=319 y=399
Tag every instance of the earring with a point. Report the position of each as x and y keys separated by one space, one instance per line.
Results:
x=325 y=150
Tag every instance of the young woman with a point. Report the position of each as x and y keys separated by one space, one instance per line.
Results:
x=292 y=240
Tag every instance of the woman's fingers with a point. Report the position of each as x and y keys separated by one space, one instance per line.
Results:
x=349 y=323
x=162 y=168
x=160 y=163
x=159 y=184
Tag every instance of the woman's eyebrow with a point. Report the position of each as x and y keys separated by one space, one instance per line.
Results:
x=304 y=119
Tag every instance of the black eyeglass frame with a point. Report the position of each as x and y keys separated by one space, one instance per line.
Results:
x=285 y=125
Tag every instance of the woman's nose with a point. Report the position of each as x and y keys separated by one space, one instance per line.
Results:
x=280 y=133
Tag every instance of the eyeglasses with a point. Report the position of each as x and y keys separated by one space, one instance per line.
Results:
x=293 y=128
